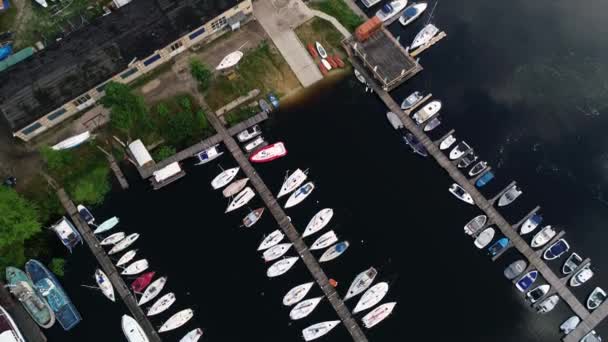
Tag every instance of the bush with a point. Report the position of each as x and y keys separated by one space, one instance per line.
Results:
x=128 y=111
x=57 y=266
x=164 y=152
x=92 y=187
x=201 y=73
x=239 y=115
x=56 y=160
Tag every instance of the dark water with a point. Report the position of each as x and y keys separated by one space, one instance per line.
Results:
x=522 y=81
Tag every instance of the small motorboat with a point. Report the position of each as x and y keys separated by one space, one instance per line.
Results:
x=473 y=226
x=334 y=251
x=428 y=111
x=391 y=9
x=324 y=241
x=161 y=304
x=24 y=290
x=360 y=77
x=596 y=298
x=515 y=269
x=394 y=120
x=67 y=233
x=411 y=100
x=249 y=134
x=153 y=290
x=106 y=225
x=126 y=258
x=224 y=178
x=136 y=267
x=570 y=324
x=269 y=153
x=362 y=281
x=326 y=64
x=317 y=330
x=42 y=3
x=432 y=124
x=300 y=194
x=484 y=238
x=192 y=336
x=582 y=276
x=177 y=320
x=524 y=283
x=104 y=284
x=208 y=155
x=467 y=160
x=459 y=150
x=556 y=250
x=264 y=106
x=543 y=237
x=292 y=182
x=478 y=168
x=241 y=199
x=140 y=284
x=548 y=304
x=378 y=315
x=271 y=240
x=235 y=187
x=253 y=144
x=276 y=251
x=72 y=142
x=412 y=12
x=304 y=308
x=530 y=224
x=296 y=294
x=230 y=60
x=371 y=297
x=538 y=293
x=509 y=196
x=416 y=145
x=484 y=179
x=461 y=194
x=113 y=239
x=281 y=266
x=498 y=246
x=253 y=217
x=85 y=214
x=321 y=50
x=274 y=100
x=447 y=142
x=592 y=336
x=132 y=330
x=124 y=244
x=572 y=263
x=424 y=36
x=318 y=222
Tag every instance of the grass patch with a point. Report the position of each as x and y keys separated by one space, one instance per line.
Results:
x=324 y=32
x=7 y=19
x=339 y=10
x=234 y=117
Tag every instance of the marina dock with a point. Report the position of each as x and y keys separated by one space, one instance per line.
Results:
x=29 y=329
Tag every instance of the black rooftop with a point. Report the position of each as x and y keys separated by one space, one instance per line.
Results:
x=95 y=53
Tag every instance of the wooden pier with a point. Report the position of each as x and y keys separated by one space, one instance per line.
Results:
x=122 y=180
x=108 y=267
x=432 y=42
x=29 y=329
x=558 y=286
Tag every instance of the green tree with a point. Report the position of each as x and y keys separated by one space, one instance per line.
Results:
x=91 y=187
x=18 y=222
x=56 y=160
x=164 y=152
x=127 y=110
x=57 y=266
x=201 y=73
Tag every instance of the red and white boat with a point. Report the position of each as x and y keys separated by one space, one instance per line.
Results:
x=269 y=153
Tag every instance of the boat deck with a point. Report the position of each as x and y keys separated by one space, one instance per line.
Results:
x=29 y=329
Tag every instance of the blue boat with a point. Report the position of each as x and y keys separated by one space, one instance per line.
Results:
x=530 y=224
x=416 y=145
x=49 y=287
x=526 y=281
x=67 y=233
x=5 y=51
x=498 y=246
x=484 y=179
x=273 y=100
x=556 y=250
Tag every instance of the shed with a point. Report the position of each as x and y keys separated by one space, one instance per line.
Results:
x=140 y=153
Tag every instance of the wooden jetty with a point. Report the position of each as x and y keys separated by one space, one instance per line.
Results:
x=108 y=267
x=432 y=42
x=122 y=180
x=29 y=329
x=589 y=321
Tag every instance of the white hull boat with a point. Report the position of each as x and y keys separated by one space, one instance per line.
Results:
x=104 y=284
x=424 y=36
x=473 y=226
x=596 y=298
x=317 y=330
x=224 y=178
x=478 y=168
x=412 y=13
x=321 y=50
x=360 y=77
x=394 y=120
x=253 y=217
x=241 y=199
x=126 y=258
x=378 y=315
x=177 y=320
x=411 y=100
x=432 y=124
x=235 y=187
x=537 y=293
x=300 y=194
x=42 y=3
x=124 y=244
x=515 y=269
x=72 y=141
x=548 y=304
x=459 y=150
x=572 y=263
x=485 y=238
x=447 y=142
x=230 y=60
x=153 y=290
x=371 y=297
x=249 y=134
x=113 y=239
x=162 y=304
x=569 y=325
x=556 y=250
x=136 y=267
x=292 y=182
x=362 y=281
x=467 y=160
x=269 y=153
x=192 y=336
x=296 y=294
x=391 y=9
x=508 y=197
x=530 y=224
x=208 y=155
x=326 y=64
x=324 y=241
x=582 y=276
x=280 y=267
x=318 y=222
x=334 y=251
x=304 y=308
x=254 y=144
x=132 y=330
x=275 y=252
x=271 y=240
x=106 y=225
x=427 y=112
x=543 y=237
x=461 y=194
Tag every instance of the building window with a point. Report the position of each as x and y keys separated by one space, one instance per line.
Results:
x=128 y=73
x=151 y=59
x=82 y=99
x=218 y=24
x=175 y=46
x=102 y=87
x=31 y=129
x=196 y=33
x=56 y=114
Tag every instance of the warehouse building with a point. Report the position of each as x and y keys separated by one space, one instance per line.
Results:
x=69 y=77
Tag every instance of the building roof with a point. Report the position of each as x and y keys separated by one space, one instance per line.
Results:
x=95 y=53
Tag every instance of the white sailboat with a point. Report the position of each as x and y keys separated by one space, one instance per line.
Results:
x=124 y=244
x=296 y=294
x=334 y=251
x=152 y=290
x=192 y=336
x=224 y=178
x=318 y=222
x=113 y=239
x=104 y=284
x=230 y=60
x=235 y=187
x=241 y=199
x=317 y=330
x=378 y=314
x=324 y=241
x=424 y=36
x=136 y=267
x=362 y=281
x=281 y=266
x=292 y=182
x=72 y=142
x=304 y=308
x=300 y=194
x=177 y=320
x=161 y=304
x=106 y=225
x=371 y=297
x=132 y=330
x=126 y=258
x=271 y=240
x=277 y=251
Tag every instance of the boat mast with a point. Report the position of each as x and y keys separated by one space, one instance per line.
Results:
x=431 y=14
